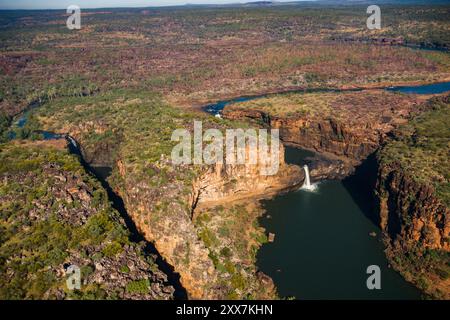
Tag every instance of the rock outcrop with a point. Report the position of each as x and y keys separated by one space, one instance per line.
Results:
x=416 y=224
x=409 y=211
x=224 y=182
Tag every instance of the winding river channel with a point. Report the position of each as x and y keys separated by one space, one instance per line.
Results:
x=325 y=239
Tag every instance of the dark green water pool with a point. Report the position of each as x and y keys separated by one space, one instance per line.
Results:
x=322 y=246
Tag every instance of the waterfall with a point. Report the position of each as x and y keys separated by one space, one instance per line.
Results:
x=72 y=141
x=307 y=184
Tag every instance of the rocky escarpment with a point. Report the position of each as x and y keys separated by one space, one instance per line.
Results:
x=344 y=127
x=54 y=215
x=324 y=135
x=165 y=215
x=409 y=211
x=224 y=182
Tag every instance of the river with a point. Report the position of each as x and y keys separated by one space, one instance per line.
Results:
x=433 y=88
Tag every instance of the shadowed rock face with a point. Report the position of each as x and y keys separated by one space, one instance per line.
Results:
x=172 y=232
x=412 y=196
x=415 y=223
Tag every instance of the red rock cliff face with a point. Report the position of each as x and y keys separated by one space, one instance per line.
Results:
x=164 y=215
x=410 y=212
x=168 y=225
x=414 y=222
x=222 y=183
x=323 y=135
x=351 y=127
x=329 y=136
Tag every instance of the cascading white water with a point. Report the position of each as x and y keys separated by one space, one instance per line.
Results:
x=72 y=141
x=307 y=184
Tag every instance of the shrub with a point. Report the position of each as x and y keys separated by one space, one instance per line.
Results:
x=138 y=286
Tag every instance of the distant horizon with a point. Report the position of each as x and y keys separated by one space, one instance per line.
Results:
x=99 y=4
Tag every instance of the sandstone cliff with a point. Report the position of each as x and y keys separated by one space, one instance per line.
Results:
x=410 y=211
x=224 y=182
x=346 y=126
x=165 y=215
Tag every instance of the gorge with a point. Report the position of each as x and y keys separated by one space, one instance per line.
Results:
x=312 y=257
x=324 y=244
x=88 y=178
x=219 y=184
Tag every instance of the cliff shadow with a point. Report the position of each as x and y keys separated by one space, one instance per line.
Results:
x=361 y=186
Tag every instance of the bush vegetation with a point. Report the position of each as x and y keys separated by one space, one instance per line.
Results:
x=35 y=242
x=421 y=148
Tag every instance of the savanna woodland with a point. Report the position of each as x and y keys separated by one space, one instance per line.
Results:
x=87 y=182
